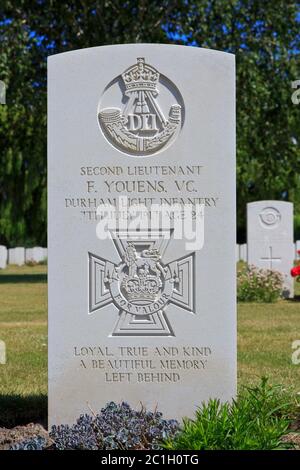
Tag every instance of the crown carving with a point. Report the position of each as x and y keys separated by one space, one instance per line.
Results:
x=141 y=287
x=140 y=77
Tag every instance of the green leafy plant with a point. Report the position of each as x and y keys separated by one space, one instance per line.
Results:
x=258 y=285
x=256 y=420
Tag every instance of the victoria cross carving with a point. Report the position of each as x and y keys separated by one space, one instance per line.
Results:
x=141 y=126
x=141 y=286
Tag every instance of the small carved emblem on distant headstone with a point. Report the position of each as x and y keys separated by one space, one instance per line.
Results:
x=270 y=217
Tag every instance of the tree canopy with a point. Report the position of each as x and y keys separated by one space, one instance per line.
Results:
x=264 y=36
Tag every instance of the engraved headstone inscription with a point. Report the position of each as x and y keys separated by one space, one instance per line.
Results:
x=270 y=236
x=144 y=310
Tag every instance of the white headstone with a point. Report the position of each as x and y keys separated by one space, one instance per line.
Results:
x=243 y=252
x=2 y=352
x=36 y=254
x=140 y=317
x=297 y=249
x=3 y=257
x=237 y=253
x=28 y=255
x=16 y=256
x=270 y=238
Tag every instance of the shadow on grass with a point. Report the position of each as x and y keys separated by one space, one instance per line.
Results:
x=296 y=298
x=17 y=410
x=25 y=278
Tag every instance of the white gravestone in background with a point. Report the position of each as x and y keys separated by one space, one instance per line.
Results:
x=2 y=352
x=36 y=254
x=3 y=257
x=270 y=238
x=237 y=253
x=16 y=256
x=28 y=255
x=243 y=252
x=141 y=318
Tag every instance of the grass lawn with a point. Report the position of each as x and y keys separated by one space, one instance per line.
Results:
x=23 y=327
x=265 y=336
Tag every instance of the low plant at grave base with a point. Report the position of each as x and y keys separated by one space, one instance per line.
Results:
x=34 y=443
x=115 y=427
x=259 y=285
x=257 y=420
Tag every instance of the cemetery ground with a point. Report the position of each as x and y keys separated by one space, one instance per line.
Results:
x=265 y=336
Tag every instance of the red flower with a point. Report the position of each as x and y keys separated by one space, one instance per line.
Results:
x=298 y=251
x=295 y=271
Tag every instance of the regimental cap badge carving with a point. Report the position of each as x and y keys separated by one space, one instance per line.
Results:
x=141 y=128
x=270 y=217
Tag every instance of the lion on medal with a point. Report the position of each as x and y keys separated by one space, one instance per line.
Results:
x=141 y=280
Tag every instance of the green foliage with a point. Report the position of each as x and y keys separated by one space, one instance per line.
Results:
x=297 y=226
x=258 y=285
x=264 y=37
x=257 y=420
x=22 y=137
x=266 y=41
